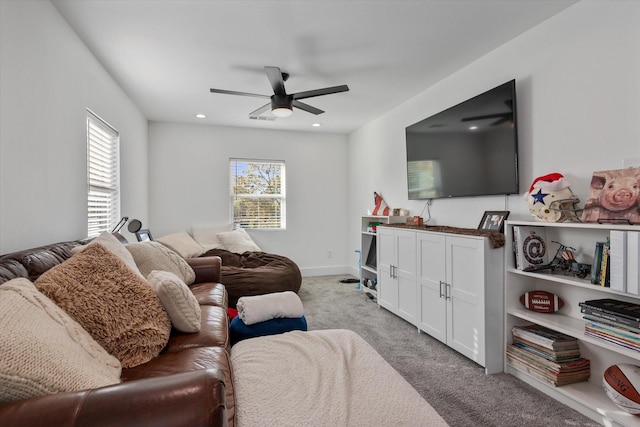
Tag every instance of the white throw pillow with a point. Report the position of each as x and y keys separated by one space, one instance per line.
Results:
x=44 y=351
x=151 y=256
x=177 y=299
x=238 y=241
x=207 y=237
x=183 y=244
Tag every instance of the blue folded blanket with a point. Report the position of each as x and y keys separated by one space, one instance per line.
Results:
x=239 y=331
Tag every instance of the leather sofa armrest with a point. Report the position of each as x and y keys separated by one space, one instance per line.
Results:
x=207 y=268
x=194 y=398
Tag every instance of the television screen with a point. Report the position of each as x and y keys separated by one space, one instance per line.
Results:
x=470 y=149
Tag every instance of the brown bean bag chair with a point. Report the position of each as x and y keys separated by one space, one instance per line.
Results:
x=256 y=273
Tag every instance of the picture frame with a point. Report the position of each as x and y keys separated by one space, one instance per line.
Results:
x=614 y=197
x=493 y=221
x=144 y=235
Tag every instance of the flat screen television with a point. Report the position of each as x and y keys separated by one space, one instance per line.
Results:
x=470 y=149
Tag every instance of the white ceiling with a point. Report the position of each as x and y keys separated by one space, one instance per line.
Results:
x=166 y=54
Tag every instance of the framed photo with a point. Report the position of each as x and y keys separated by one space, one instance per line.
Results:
x=493 y=221
x=614 y=197
x=144 y=235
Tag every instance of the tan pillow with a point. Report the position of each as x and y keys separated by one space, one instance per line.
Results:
x=110 y=242
x=183 y=244
x=151 y=256
x=116 y=306
x=178 y=300
x=44 y=351
x=238 y=241
x=207 y=237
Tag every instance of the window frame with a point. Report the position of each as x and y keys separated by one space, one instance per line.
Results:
x=235 y=195
x=103 y=175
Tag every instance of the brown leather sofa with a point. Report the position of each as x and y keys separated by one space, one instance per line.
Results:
x=188 y=384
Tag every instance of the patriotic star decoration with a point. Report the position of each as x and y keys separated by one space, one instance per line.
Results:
x=539 y=197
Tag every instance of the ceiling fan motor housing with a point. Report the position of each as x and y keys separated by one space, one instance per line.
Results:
x=281 y=101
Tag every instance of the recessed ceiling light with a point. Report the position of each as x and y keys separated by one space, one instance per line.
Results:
x=201 y=116
x=316 y=125
x=473 y=127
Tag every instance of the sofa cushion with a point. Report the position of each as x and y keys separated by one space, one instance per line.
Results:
x=238 y=241
x=177 y=299
x=189 y=360
x=214 y=332
x=207 y=237
x=183 y=244
x=115 y=305
x=44 y=351
x=151 y=256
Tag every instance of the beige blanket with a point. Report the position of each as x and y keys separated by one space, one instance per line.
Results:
x=322 y=378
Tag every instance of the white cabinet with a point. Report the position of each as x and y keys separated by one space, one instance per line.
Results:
x=449 y=286
x=368 y=252
x=586 y=397
x=397 y=272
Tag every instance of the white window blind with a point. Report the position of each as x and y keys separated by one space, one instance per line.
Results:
x=103 y=176
x=258 y=196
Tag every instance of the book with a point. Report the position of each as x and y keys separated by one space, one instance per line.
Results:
x=613 y=306
x=554 y=373
x=530 y=245
x=597 y=263
x=633 y=258
x=545 y=337
x=604 y=267
x=610 y=323
x=610 y=317
x=555 y=356
x=618 y=260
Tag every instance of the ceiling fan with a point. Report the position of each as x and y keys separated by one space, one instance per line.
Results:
x=282 y=104
x=502 y=117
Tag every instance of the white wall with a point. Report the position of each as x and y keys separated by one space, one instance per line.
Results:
x=189 y=175
x=48 y=78
x=578 y=100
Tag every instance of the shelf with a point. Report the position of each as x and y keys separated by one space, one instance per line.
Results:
x=569 y=326
x=369 y=269
x=577 y=225
x=587 y=396
x=569 y=280
x=369 y=233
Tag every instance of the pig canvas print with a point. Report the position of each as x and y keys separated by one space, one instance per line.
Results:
x=613 y=197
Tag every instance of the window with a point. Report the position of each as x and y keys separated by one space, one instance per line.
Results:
x=103 y=175
x=258 y=193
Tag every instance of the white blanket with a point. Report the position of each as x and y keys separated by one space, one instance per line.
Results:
x=322 y=378
x=261 y=308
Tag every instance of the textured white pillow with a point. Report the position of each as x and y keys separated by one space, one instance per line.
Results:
x=177 y=299
x=45 y=351
x=151 y=256
x=238 y=241
x=182 y=243
x=207 y=237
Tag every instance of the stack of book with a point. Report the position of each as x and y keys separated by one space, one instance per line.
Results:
x=614 y=321
x=547 y=355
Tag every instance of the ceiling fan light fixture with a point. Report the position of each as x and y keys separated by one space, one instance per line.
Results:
x=282 y=112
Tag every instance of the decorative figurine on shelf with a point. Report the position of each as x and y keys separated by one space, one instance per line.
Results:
x=381 y=207
x=566 y=262
x=551 y=200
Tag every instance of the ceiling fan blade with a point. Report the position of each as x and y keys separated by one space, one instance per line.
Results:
x=489 y=116
x=319 y=92
x=275 y=78
x=306 y=107
x=260 y=110
x=233 y=92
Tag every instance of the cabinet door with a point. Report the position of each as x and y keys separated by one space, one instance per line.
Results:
x=431 y=273
x=387 y=284
x=405 y=274
x=465 y=309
